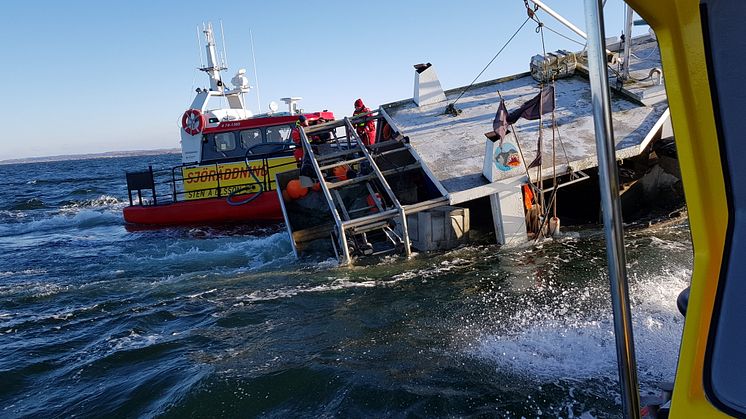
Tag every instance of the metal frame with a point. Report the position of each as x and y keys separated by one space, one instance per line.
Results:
x=417 y=157
x=612 y=212
x=386 y=187
x=341 y=236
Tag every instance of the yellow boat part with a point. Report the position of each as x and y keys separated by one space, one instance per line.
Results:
x=678 y=27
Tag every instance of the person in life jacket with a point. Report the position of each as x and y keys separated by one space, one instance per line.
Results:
x=366 y=130
x=295 y=136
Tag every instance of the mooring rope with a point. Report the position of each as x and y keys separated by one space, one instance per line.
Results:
x=451 y=106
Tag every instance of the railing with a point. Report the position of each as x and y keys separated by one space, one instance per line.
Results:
x=168 y=186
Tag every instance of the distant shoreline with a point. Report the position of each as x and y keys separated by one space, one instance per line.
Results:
x=104 y=155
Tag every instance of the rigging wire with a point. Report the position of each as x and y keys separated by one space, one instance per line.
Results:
x=565 y=36
x=256 y=75
x=540 y=151
x=554 y=152
x=199 y=49
x=490 y=63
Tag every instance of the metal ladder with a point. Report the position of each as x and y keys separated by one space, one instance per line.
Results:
x=348 y=228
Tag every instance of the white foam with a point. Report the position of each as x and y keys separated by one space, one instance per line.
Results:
x=103 y=201
x=335 y=285
x=14 y=214
x=252 y=252
x=199 y=294
x=33 y=289
x=132 y=341
x=23 y=272
x=668 y=244
x=563 y=342
x=426 y=273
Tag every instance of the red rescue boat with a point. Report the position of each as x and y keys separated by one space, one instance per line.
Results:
x=229 y=159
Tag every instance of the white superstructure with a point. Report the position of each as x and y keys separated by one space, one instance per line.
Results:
x=193 y=123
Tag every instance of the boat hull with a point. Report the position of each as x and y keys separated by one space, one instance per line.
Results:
x=265 y=208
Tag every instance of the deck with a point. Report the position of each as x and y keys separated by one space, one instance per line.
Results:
x=453 y=148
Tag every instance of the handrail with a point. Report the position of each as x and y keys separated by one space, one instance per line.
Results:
x=214 y=173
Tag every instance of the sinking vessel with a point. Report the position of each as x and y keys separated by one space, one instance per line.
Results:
x=229 y=158
x=442 y=144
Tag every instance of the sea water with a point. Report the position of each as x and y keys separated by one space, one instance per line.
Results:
x=98 y=320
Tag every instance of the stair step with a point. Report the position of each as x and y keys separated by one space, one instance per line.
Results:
x=401 y=169
x=425 y=205
x=358 y=159
x=369 y=227
x=335 y=185
x=370 y=219
x=337 y=154
x=342 y=162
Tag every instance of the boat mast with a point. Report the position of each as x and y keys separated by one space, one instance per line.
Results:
x=212 y=68
x=612 y=212
x=627 y=42
x=560 y=18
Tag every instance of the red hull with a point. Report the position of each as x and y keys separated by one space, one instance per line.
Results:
x=207 y=211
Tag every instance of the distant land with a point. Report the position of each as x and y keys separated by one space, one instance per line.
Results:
x=105 y=155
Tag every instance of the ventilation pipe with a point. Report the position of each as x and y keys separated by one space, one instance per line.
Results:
x=427 y=88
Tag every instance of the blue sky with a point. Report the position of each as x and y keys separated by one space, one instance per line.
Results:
x=85 y=76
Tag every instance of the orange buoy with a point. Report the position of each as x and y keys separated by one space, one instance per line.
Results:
x=295 y=189
x=316 y=187
x=372 y=202
x=286 y=196
x=340 y=172
x=386 y=135
x=528 y=197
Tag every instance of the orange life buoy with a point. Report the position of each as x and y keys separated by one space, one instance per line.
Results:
x=193 y=121
x=295 y=189
x=372 y=202
x=340 y=172
x=528 y=197
x=386 y=132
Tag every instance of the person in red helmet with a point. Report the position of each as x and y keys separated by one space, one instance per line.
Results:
x=366 y=130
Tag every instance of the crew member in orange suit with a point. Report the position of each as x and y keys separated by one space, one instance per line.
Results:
x=366 y=130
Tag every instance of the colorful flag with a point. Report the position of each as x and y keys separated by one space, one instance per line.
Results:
x=534 y=108
x=500 y=124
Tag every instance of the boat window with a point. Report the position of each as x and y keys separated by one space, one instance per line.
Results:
x=225 y=141
x=279 y=133
x=250 y=138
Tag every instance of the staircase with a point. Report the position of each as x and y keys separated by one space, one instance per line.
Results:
x=352 y=226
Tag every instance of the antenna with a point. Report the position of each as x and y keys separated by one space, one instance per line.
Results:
x=225 y=56
x=199 y=48
x=256 y=75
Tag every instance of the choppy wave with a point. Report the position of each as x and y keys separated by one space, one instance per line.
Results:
x=34 y=289
x=224 y=321
x=27 y=204
x=83 y=219
x=336 y=284
x=105 y=201
x=22 y=273
x=246 y=253
x=571 y=340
